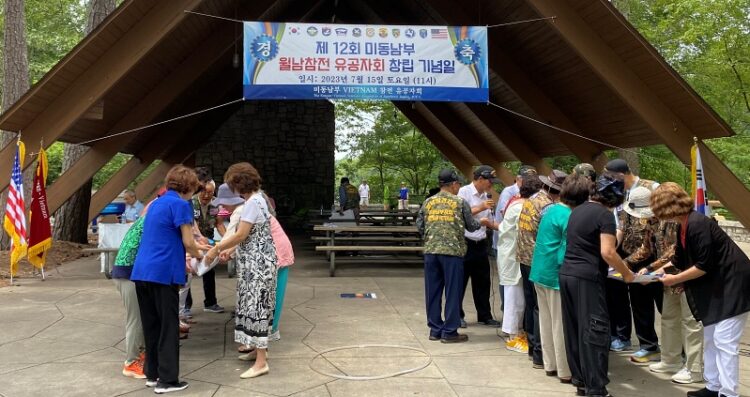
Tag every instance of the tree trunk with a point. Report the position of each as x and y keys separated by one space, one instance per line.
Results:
x=15 y=80
x=72 y=219
x=631 y=156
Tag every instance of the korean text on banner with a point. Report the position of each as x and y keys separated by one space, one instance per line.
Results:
x=398 y=63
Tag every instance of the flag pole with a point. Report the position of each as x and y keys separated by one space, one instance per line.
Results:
x=18 y=143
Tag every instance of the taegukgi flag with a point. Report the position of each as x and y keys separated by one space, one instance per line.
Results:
x=700 y=192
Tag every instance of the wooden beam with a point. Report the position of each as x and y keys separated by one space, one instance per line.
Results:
x=632 y=90
x=143 y=113
x=462 y=163
x=474 y=142
x=525 y=88
x=90 y=87
x=494 y=122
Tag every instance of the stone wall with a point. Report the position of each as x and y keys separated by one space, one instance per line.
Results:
x=291 y=143
x=736 y=231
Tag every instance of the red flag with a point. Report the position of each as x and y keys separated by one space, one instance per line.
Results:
x=40 y=234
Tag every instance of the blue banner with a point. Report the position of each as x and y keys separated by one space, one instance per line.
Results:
x=368 y=62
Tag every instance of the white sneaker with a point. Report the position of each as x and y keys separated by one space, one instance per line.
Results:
x=685 y=377
x=661 y=367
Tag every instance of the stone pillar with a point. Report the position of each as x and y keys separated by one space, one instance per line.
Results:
x=291 y=143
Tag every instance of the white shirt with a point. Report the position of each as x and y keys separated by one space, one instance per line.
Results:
x=474 y=198
x=507 y=194
x=255 y=210
x=364 y=191
x=507 y=264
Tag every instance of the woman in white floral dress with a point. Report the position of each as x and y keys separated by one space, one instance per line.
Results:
x=256 y=266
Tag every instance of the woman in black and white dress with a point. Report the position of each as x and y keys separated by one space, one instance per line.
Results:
x=256 y=266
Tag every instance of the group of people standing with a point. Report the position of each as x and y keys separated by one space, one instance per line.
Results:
x=568 y=250
x=157 y=258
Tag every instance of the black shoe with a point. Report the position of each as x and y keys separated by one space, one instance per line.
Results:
x=492 y=323
x=580 y=391
x=538 y=365
x=458 y=338
x=702 y=393
x=170 y=387
x=551 y=373
x=463 y=324
x=433 y=337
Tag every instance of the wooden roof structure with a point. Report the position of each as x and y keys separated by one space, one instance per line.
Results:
x=587 y=71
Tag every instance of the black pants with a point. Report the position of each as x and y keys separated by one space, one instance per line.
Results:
x=618 y=305
x=586 y=329
x=531 y=317
x=643 y=298
x=477 y=267
x=159 y=305
x=209 y=290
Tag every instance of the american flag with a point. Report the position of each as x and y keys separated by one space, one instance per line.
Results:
x=439 y=33
x=15 y=217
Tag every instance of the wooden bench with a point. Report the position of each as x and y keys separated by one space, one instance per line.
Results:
x=368 y=238
x=109 y=258
x=366 y=248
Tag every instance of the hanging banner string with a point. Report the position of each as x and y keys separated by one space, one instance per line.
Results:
x=556 y=128
x=497 y=25
x=130 y=131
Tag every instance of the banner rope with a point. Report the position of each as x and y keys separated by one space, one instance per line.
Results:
x=214 y=16
x=554 y=127
x=130 y=131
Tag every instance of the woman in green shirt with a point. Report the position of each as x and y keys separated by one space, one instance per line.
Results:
x=549 y=253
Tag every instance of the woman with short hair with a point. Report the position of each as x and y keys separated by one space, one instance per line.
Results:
x=549 y=253
x=158 y=272
x=256 y=262
x=591 y=249
x=716 y=276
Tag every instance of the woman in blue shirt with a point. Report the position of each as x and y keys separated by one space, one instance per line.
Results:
x=158 y=272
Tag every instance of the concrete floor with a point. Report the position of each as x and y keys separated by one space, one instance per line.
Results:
x=64 y=337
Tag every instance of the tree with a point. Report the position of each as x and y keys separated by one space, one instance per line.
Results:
x=73 y=215
x=385 y=147
x=15 y=75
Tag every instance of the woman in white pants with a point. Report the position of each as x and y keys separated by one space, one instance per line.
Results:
x=508 y=268
x=716 y=276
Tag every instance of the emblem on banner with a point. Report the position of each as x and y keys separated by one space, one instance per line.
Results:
x=326 y=31
x=370 y=32
x=383 y=32
x=467 y=51
x=423 y=33
x=264 y=48
x=312 y=31
x=341 y=31
x=409 y=33
x=356 y=32
x=396 y=32
x=294 y=30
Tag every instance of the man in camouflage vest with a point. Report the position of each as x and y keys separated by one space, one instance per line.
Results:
x=441 y=222
x=528 y=225
x=205 y=215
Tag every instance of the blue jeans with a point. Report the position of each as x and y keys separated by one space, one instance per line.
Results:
x=443 y=272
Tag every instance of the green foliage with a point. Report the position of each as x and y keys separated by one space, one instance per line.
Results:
x=384 y=148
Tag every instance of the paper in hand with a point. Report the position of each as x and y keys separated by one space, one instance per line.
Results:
x=639 y=278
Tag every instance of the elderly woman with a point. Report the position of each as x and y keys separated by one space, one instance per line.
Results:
x=256 y=261
x=591 y=249
x=508 y=268
x=549 y=253
x=158 y=272
x=716 y=276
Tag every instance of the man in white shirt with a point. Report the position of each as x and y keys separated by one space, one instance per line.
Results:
x=476 y=262
x=364 y=193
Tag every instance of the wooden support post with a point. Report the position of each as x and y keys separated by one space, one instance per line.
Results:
x=91 y=86
x=633 y=91
x=463 y=163
x=484 y=151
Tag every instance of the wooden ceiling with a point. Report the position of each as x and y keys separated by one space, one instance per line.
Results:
x=150 y=61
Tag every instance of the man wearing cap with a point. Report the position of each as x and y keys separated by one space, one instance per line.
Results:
x=476 y=263
x=442 y=221
x=618 y=297
x=205 y=214
x=585 y=169
x=528 y=225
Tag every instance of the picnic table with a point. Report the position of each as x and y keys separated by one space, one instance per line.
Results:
x=383 y=217
x=388 y=239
